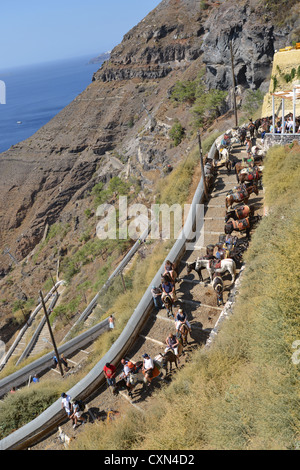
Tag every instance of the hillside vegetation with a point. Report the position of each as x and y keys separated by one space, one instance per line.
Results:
x=242 y=393
x=178 y=186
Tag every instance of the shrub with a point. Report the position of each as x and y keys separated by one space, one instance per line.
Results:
x=207 y=107
x=254 y=99
x=88 y=213
x=206 y=103
x=58 y=230
x=275 y=82
x=184 y=92
x=176 y=133
x=115 y=186
x=25 y=405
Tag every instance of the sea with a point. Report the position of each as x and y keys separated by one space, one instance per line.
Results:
x=31 y=96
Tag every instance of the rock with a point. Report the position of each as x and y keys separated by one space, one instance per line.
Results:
x=254 y=41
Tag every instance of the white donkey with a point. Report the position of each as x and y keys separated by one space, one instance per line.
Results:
x=227 y=264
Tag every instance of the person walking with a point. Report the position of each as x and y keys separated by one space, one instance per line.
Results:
x=63 y=360
x=111 y=322
x=66 y=404
x=248 y=147
x=55 y=362
x=128 y=368
x=156 y=295
x=110 y=374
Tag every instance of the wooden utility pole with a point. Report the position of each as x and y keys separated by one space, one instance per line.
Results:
x=233 y=83
x=202 y=166
x=51 y=334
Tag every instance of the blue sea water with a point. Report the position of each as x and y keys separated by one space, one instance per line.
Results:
x=35 y=94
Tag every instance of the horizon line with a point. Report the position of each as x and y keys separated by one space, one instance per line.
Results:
x=51 y=61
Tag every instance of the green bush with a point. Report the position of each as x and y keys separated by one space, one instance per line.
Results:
x=207 y=107
x=176 y=133
x=275 y=82
x=88 y=213
x=254 y=99
x=184 y=92
x=115 y=185
x=58 y=229
x=65 y=312
x=206 y=104
x=23 y=406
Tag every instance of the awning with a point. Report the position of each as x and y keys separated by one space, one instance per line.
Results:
x=288 y=94
x=294 y=95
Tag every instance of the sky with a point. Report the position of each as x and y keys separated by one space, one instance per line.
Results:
x=37 y=31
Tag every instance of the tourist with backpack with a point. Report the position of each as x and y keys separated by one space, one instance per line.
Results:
x=77 y=407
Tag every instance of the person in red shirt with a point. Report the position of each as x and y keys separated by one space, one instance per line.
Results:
x=110 y=374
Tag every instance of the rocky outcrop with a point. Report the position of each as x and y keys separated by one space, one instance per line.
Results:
x=100 y=58
x=251 y=28
x=168 y=38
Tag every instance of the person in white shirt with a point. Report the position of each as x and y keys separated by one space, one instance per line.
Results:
x=148 y=367
x=289 y=125
x=66 y=403
x=128 y=367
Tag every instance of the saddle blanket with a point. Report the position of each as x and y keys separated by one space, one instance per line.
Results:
x=241 y=224
x=240 y=195
x=242 y=212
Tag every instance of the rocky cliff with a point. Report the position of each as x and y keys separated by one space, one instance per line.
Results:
x=121 y=122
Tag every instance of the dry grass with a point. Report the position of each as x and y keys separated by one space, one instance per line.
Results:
x=176 y=187
x=27 y=403
x=243 y=393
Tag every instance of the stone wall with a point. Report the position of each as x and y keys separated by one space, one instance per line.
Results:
x=286 y=61
x=279 y=139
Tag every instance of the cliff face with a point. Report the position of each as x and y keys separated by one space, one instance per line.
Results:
x=255 y=37
x=124 y=115
x=253 y=43
x=166 y=39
